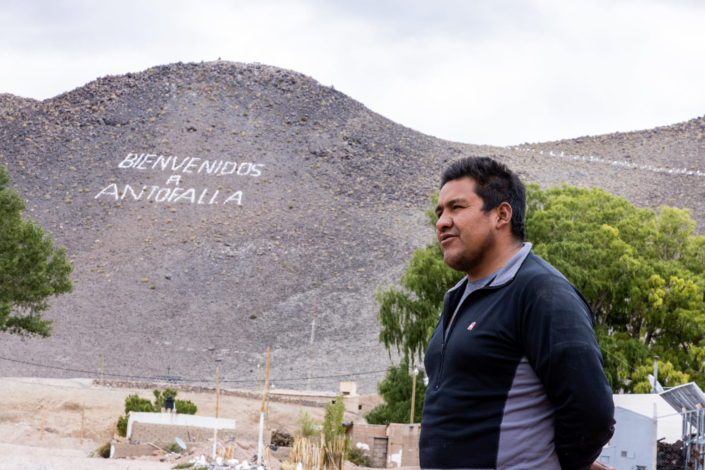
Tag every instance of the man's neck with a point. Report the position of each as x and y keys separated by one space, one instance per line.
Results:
x=494 y=260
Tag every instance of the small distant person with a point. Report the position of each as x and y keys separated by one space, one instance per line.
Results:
x=515 y=377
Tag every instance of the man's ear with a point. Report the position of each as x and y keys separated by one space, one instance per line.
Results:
x=504 y=215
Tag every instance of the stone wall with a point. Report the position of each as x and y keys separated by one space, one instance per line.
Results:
x=165 y=433
x=199 y=389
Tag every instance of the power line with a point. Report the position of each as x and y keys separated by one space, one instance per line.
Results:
x=187 y=379
x=618 y=358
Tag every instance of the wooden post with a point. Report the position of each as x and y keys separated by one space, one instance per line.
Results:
x=266 y=413
x=321 y=457
x=413 y=396
x=41 y=433
x=310 y=348
x=217 y=390
x=83 y=412
x=261 y=415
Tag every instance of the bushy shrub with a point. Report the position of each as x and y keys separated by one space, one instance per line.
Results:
x=358 y=457
x=122 y=426
x=307 y=427
x=185 y=407
x=138 y=405
x=173 y=447
x=142 y=405
x=104 y=450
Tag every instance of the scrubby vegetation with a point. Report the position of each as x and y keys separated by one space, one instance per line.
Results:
x=142 y=405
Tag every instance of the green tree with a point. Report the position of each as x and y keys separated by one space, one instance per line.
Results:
x=668 y=376
x=642 y=271
x=333 y=419
x=396 y=389
x=31 y=270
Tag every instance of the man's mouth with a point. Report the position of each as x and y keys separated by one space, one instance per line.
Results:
x=447 y=238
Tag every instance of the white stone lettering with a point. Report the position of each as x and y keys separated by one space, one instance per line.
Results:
x=145 y=160
x=105 y=191
x=174 y=193
x=200 y=199
x=249 y=167
x=129 y=161
x=173 y=167
x=160 y=198
x=229 y=172
x=174 y=179
x=161 y=161
x=214 y=196
x=254 y=168
x=189 y=194
x=235 y=197
x=154 y=188
x=209 y=168
x=134 y=196
x=190 y=165
x=193 y=165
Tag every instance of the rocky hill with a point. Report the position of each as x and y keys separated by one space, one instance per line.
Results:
x=214 y=209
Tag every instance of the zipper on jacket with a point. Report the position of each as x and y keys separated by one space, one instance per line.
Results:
x=447 y=337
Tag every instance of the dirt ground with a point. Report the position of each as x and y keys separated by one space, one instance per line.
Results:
x=60 y=403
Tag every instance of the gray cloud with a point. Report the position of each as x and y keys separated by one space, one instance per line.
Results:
x=499 y=72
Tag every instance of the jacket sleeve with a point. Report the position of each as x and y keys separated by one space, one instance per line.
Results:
x=560 y=344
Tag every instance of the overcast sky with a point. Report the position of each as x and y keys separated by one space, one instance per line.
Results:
x=486 y=72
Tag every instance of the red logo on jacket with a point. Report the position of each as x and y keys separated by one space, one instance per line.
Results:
x=472 y=325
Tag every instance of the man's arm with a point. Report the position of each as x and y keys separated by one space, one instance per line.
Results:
x=559 y=341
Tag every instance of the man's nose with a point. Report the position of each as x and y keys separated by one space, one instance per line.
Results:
x=444 y=221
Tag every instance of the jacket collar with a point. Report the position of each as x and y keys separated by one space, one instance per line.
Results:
x=507 y=272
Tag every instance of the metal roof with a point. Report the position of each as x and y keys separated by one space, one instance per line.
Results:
x=686 y=397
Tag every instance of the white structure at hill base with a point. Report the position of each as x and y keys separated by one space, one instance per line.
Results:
x=633 y=445
x=670 y=423
x=175 y=419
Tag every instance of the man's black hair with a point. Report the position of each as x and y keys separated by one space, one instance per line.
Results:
x=495 y=184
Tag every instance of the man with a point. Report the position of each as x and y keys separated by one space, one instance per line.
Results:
x=515 y=372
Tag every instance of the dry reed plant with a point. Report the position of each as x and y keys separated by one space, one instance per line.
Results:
x=310 y=454
x=306 y=453
x=335 y=453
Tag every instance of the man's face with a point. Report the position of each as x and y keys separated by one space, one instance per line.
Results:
x=464 y=231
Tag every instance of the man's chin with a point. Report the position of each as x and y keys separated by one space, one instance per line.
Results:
x=451 y=261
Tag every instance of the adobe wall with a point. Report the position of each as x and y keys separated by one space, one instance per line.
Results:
x=403 y=445
x=121 y=451
x=373 y=437
x=165 y=433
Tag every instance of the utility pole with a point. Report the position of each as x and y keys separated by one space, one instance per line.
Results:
x=217 y=390
x=261 y=415
x=310 y=349
x=413 y=394
x=653 y=389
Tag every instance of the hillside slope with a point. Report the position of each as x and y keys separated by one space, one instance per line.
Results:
x=194 y=196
